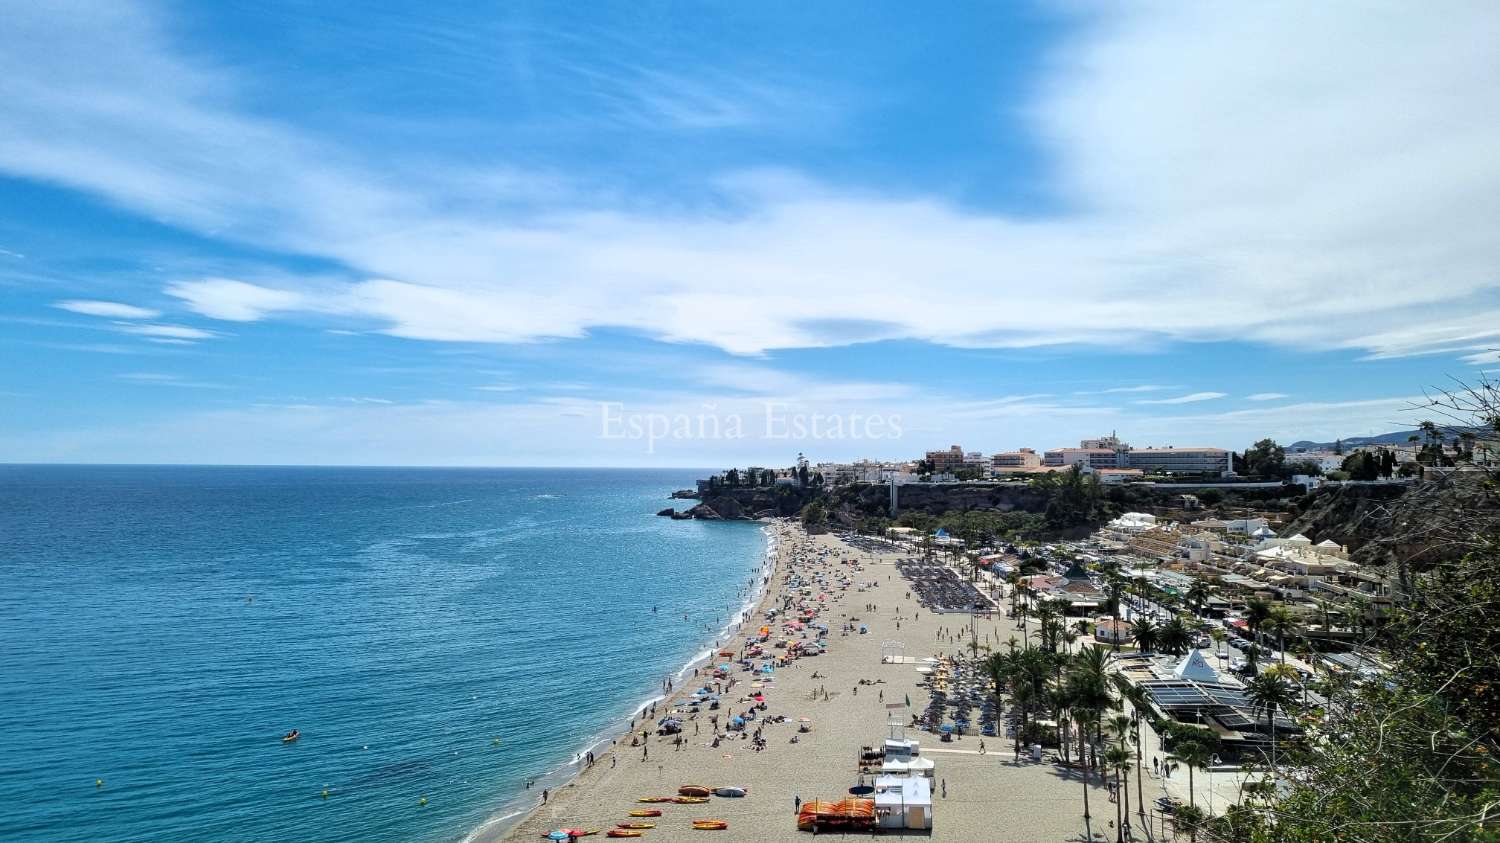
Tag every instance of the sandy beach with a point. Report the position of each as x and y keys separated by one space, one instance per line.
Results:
x=977 y=796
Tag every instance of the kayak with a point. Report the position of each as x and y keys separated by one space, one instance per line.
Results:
x=694 y=790
x=651 y=799
x=635 y=825
x=732 y=792
x=624 y=832
x=710 y=825
x=291 y=736
x=646 y=812
x=690 y=800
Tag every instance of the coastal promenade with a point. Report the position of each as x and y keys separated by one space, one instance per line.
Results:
x=987 y=796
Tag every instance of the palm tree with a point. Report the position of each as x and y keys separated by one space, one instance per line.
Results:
x=1256 y=612
x=1117 y=761
x=1270 y=692
x=1176 y=637
x=1118 y=757
x=1114 y=586
x=1145 y=633
x=1195 y=753
x=1197 y=596
x=1139 y=699
x=1252 y=659
x=1088 y=683
x=1281 y=621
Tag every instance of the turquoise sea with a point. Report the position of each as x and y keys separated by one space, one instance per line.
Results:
x=434 y=633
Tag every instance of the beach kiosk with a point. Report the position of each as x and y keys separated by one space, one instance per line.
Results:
x=903 y=802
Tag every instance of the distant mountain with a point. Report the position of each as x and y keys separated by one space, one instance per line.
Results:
x=1400 y=437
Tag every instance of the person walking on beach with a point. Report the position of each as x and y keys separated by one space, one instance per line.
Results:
x=796 y=803
x=544 y=796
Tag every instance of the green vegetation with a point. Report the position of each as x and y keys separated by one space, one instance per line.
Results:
x=1410 y=755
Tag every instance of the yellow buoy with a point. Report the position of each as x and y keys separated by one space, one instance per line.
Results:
x=98 y=782
x=422 y=801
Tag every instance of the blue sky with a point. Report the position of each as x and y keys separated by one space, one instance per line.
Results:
x=466 y=234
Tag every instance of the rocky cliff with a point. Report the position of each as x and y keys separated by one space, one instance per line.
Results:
x=743 y=504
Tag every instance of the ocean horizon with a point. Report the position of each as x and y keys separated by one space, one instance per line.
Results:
x=439 y=636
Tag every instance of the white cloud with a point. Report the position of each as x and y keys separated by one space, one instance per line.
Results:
x=165 y=379
x=1299 y=175
x=234 y=301
x=1481 y=357
x=1146 y=387
x=181 y=333
x=1266 y=396
x=1192 y=398
x=108 y=309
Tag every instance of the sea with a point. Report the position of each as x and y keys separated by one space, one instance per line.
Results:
x=439 y=638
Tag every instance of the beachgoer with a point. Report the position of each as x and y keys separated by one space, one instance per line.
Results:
x=544 y=796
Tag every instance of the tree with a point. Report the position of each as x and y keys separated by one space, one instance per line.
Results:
x=1265 y=459
x=1176 y=637
x=1280 y=620
x=1139 y=699
x=1197 y=596
x=1195 y=751
x=802 y=477
x=1361 y=465
x=732 y=477
x=1144 y=631
x=1270 y=693
x=1257 y=609
x=814 y=514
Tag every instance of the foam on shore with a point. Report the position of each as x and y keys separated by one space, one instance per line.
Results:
x=517 y=809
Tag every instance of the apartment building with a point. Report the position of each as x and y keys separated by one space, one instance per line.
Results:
x=946 y=462
x=1024 y=458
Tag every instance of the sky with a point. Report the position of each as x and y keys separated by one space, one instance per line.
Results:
x=679 y=234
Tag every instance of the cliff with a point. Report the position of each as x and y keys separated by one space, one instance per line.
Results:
x=745 y=503
x=1404 y=528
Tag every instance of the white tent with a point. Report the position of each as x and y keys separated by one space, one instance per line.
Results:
x=1195 y=668
x=903 y=802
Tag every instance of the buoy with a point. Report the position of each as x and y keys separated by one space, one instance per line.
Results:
x=325 y=793
x=422 y=801
x=98 y=782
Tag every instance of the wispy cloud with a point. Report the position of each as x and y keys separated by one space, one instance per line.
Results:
x=1192 y=398
x=1146 y=387
x=166 y=379
x=1167 y=193
x=108 y=309
x=179 y=333
x=1266 y=396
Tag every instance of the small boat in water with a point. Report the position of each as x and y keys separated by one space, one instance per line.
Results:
x=291 y=736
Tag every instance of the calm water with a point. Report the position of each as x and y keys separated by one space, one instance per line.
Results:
x=161 y=628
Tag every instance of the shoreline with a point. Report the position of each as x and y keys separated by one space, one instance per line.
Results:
x=814 y=720
x=499 y=828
